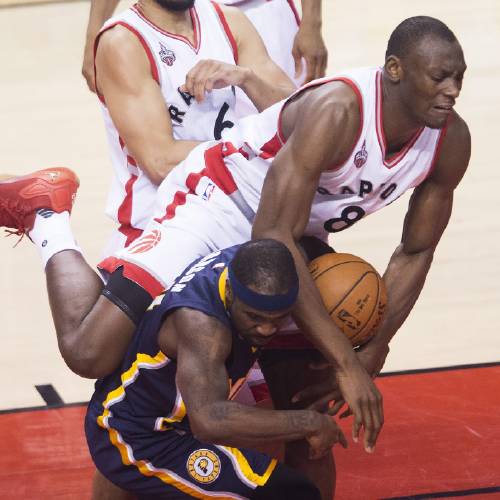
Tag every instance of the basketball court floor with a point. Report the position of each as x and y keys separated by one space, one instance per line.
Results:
x=441 y=382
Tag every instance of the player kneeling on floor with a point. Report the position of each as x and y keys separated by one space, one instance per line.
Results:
x=163 y=426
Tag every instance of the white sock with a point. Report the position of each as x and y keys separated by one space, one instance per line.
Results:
x=52 y=234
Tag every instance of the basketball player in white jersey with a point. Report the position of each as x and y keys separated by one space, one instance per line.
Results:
x=150 y=61
x=290 y=41
x=337 y=150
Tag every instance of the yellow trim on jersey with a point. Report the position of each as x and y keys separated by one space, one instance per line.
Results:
x=148 y=469
x=222 y=286
x=142 y=361
x=176 y=416
x=126 y=453
x=246 y=470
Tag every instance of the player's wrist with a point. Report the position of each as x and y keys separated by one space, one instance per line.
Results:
x=245 y=76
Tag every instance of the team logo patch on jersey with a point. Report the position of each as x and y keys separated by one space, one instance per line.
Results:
x=206 y=195
x=361 y=156
x=166 y=55
x=146 y=242
x=203 y=466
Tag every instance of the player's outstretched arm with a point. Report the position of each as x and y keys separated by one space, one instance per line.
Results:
x=203 y=345
x=427 y=217
x=309 y=44
x=321 y=127
x=100 y=12
x=262 y=80
x=136 y=104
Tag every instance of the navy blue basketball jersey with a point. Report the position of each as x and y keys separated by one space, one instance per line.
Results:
x=142 y=394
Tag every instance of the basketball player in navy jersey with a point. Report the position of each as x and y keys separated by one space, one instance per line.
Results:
x=163 y=425
x=314 y=141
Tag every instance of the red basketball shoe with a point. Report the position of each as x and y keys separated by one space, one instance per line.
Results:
x=20 y=197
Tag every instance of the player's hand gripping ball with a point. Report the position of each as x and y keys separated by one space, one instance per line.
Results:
x=353 y=292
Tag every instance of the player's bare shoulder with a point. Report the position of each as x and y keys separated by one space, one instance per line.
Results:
x=327 y=116
x=119 y=55
x=454 y=153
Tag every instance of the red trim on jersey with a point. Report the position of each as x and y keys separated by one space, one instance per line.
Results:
x=131 y=233
x=316 y=83
x=396 y=157
x=215 y=169
x=289 y=341
x=195 y=22
x=270 y=148
x=131 y=161
x=227 y=30
x=124 y=213
x=134 y=273
x=294 y=10
x=147 y=49
x=437 y=151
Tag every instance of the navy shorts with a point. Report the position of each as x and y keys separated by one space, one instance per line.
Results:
x=172 y=464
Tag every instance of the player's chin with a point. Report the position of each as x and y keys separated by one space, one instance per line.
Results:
x=437 y=119
x=260 y=341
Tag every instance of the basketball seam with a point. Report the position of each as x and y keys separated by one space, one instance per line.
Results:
x=372 y=313
x=339 y=264
x=349 y=291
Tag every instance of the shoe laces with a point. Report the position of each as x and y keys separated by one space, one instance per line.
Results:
x=17 y=211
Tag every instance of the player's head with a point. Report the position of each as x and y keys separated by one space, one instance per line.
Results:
x=425 y=61
x=175 y=5
x=262 y=288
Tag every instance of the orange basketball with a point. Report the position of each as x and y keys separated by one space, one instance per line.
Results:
x=353 y=292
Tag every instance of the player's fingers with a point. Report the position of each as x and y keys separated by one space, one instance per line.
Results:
x=321 y=404
x=370 y=430
x=346 y=413
x=356 y=426
x=336 y=407
x=310 y=68
x=297 y=59
x=199 y=89
x=322 y=65
x=378 y=421
x=309 y=393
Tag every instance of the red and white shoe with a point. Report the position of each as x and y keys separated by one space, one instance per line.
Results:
x=20 y=197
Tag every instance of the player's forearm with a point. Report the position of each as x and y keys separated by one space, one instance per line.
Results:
x=309 y=312
x=311 y=13
x=262 y=93
x=100 y=12
x=404 y=279
x=233 y=424
x=158 y=166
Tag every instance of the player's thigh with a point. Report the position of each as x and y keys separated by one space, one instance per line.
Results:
x=103 y=489
x=169 y=244
x=170 y=465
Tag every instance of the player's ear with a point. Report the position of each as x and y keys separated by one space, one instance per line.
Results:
x=393 y=68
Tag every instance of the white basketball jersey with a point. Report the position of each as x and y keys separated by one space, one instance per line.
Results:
x=365 y=183
x=171 y=56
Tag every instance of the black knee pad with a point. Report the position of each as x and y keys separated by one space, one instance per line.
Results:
x=286 y=484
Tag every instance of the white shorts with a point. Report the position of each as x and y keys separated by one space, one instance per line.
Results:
x=195 y=214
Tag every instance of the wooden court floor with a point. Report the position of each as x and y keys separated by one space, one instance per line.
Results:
x=48 y=117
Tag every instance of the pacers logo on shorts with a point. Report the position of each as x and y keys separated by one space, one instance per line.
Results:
x=145 y=242
x=204 y=466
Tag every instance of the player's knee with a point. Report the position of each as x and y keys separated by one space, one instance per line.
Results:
x=287 y=484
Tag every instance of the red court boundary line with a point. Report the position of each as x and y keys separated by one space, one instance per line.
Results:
x=448 y=494
x=417 y=371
